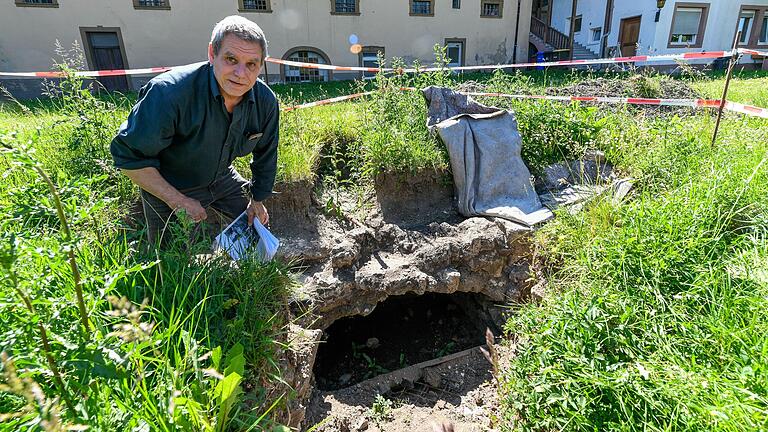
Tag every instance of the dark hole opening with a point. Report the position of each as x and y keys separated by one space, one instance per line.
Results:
x=402 y=331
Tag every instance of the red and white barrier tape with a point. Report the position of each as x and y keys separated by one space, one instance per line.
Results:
x=746 y=109
x=691 y=103
x=327 y=101
x=753 y=52
x=668 y=58
x=322 y=66
x=88 y=74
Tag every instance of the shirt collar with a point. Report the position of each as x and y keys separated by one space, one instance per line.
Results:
x=215 y=87
x=213 y=83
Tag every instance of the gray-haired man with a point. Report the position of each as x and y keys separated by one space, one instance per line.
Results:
x=189 y=124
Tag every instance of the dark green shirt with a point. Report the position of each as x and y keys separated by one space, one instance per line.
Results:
x=180 y=126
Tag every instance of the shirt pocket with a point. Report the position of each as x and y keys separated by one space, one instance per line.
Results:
x=249 y=143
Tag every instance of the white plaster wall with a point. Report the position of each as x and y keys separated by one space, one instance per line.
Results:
x=181 y=35
x=593 y=16
x=646 y=9
x=721 y=24
x=654 y=37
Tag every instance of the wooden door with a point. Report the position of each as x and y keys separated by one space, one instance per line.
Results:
x=107 y=55
x=629 y=35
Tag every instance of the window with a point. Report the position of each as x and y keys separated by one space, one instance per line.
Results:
x=454 y=49
x=151 y=4
x=457 y=4
x=345 y=7
x=746 y=18
x=369 y=57
x=255 y=6
x=753 y=25
x=38 y=3
x=596 y=33
x=491 y=8
x=295 y=74
x=577 y=27
x=688 y=25
x=422 y=8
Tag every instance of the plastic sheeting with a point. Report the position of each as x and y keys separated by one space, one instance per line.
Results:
x=484 y=146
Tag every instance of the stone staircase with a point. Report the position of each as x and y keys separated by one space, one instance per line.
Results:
x=539 y=40
x=580 y=52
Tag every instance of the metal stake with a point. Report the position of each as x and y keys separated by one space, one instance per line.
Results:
x=731 y=64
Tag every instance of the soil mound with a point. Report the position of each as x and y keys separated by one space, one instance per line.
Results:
x=636 y=86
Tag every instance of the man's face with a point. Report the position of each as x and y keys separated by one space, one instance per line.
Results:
x=237 y=66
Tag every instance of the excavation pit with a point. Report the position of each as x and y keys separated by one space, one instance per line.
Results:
x=402 y=331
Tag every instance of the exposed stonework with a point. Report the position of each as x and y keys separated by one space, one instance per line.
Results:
x=477 y=255
x=295 y=361
x=400 y=249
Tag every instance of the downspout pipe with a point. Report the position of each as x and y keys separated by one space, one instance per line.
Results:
x=606 y=28
x=517 y=33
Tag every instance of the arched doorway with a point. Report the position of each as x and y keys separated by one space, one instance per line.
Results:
x=293 y=74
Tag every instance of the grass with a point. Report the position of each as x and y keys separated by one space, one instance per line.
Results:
x=657 y=315
x=656 y=322
x=743 y=88
x=158 y=340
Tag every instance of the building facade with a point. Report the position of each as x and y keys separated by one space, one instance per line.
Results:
x=118 y=34
x=628 y=27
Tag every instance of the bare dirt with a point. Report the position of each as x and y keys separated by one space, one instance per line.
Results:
x=461 y=392
x=358 y=348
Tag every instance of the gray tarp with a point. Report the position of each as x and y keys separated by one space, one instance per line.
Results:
x=484 y=146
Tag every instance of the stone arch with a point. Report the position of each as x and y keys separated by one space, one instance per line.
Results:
x=305 y=53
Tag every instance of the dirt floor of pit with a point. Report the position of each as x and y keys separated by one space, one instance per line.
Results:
x=402 y=331
x=462 y=393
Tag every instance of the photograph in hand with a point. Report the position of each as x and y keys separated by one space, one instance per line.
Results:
x=239 y=239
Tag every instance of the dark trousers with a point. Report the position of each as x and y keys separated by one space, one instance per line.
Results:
x=223 y=200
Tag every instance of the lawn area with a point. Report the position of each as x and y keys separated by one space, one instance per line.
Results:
x=657 y=309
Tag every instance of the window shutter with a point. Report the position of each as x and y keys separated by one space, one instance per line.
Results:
x=687 y=21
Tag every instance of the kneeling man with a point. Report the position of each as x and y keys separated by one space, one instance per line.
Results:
x=188 y=126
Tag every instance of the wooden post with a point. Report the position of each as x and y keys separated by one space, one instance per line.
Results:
x=573 y=28
x=266 y=73
x=729 y=73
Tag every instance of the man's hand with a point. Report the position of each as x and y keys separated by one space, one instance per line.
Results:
x=257 y=210
x=192 y=207
x=150 y=180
